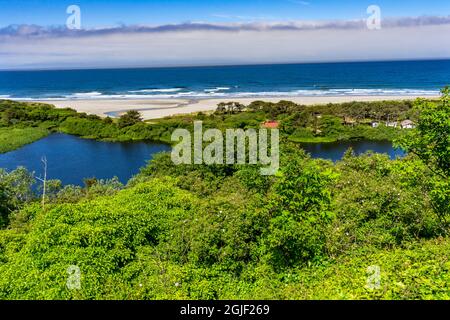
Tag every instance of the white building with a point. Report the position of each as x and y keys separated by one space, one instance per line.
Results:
x=407 y=124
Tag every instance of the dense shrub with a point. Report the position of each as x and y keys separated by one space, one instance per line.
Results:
x=226 y=232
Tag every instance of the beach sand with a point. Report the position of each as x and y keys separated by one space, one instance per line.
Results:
x=156 y=109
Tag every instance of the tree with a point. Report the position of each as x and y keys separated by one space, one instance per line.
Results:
x=431 y=141
x=230 y=107
x=90 y=182
x=129 y=118
x=44 y=181
x=108 y=120
x=15 y=190
x=221 y=108
x=52 y=188
x=239 y=107
x=301 y=210
x=257 y=105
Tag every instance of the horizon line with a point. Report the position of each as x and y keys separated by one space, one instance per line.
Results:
x=220 y=65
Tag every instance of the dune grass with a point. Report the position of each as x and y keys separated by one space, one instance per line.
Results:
x=14 y=138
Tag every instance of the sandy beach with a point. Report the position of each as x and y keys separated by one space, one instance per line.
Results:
x=156 y=109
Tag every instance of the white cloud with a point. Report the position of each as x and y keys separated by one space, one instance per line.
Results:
x=235 y=43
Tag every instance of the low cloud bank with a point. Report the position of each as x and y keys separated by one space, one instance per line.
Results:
x=29 y=47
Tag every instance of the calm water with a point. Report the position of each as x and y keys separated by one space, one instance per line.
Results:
x=70 y=159
x=361 y=78
x=335 y=150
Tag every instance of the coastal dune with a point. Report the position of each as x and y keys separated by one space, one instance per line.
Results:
x=160 y=108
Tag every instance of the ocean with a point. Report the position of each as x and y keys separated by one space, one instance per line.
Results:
x=254 y=81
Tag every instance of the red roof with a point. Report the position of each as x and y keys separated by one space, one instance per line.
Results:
x=271 y=124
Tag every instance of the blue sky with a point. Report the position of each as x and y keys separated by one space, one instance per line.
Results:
x=230 y=32
x=98 y=13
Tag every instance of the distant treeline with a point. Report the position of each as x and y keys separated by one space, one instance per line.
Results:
x=298 y=123
x=381 y=110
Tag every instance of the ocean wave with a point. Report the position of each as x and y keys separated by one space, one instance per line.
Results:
x=156 y=90
x=103 y=96
x=219 y=93
x=92 y=94
x=218 y=89
x=338 y=92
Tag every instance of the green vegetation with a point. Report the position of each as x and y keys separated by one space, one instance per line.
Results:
x=15 y=192
x=130 y=118
x=431 y=143
x=298 y=123
x=313 y=231
x=210 y=233
x=13 y=138
x=35 y=120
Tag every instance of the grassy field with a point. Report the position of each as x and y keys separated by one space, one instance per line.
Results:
x=312 y=139
x=13 y=138
x=339 y=132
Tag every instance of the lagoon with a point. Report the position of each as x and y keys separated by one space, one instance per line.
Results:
x=71 y=159
x=335 y=150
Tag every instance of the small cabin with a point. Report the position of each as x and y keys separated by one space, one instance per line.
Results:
x=407 y=124
x=271 y=124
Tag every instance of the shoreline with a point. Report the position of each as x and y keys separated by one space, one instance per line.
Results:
x=152 y=109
